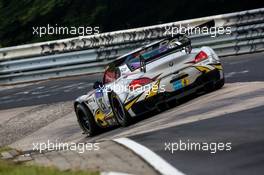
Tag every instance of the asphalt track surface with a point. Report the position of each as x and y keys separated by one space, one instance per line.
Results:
x=243 y=129
x=233 y=114
x=57 y=90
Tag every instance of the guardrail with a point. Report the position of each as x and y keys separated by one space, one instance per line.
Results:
x=90 y=54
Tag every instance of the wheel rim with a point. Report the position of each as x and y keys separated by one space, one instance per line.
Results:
x=119 y=110
x=84 y=120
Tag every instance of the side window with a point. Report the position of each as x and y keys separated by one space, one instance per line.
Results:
x=134 y=63
x=111 y=74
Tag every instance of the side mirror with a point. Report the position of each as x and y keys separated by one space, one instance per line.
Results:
x=97 y=84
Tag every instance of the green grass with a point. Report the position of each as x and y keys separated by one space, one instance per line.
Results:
x=3 y=149
x=10 y=168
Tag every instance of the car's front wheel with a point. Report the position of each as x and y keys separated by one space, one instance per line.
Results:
x=120 y=113
x=86 y=120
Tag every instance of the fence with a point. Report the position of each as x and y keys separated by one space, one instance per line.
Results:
x=90 y=54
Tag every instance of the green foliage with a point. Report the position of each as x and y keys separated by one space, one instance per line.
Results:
x=17 y=17
x=3 y=149
x=9 y=168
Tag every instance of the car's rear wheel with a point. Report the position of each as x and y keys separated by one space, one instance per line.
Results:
x=219 y=84
x=86 y=120
x=212 y=86
x=120 y=113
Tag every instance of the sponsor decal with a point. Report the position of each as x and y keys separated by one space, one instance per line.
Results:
x=180 y=84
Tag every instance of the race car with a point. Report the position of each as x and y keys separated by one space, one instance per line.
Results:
x=145 y=79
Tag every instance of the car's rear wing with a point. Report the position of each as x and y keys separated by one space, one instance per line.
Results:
x=178 y=40
x=163 y=47
x=173 y=43
x=156 y=50
x=183 y=42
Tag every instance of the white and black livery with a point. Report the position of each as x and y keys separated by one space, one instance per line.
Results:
x=147 y=78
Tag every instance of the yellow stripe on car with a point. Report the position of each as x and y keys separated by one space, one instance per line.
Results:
x=154 y=90
x=203 y=69
x=185 y=82
x=219 y=67
x=130 y=104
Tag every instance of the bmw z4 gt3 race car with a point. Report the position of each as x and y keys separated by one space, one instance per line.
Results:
x=146 y=78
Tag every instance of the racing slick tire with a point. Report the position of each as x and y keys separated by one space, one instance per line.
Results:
x=219 y=84
x=86 y=120
x=212 y=86
x=120 y=114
